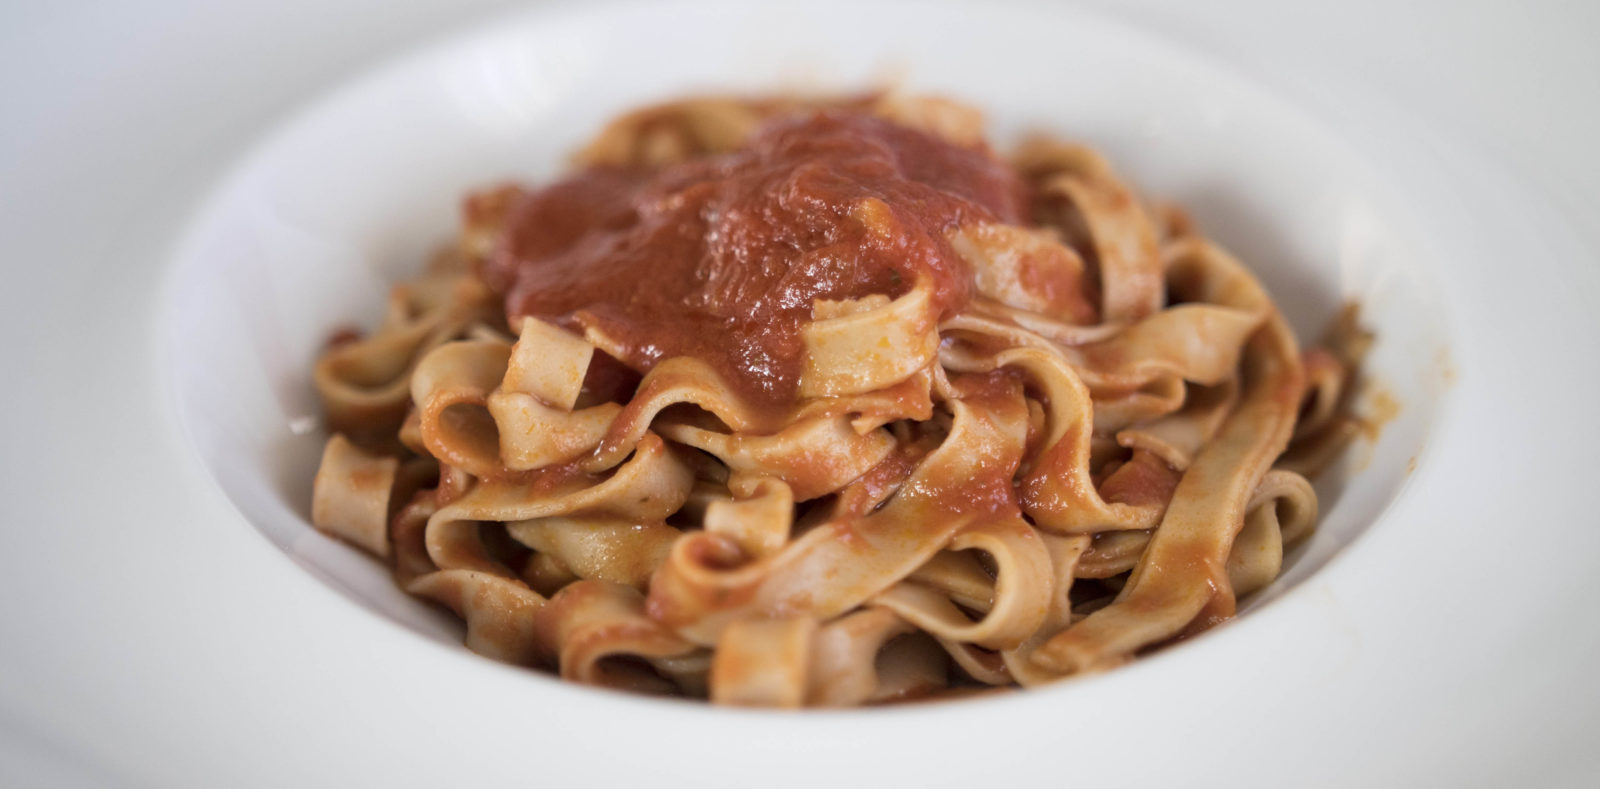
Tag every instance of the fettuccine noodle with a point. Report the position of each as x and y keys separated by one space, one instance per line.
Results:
x=908 y=419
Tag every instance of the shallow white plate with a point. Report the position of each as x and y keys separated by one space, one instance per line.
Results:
x=348 y=197
x=1426 y=633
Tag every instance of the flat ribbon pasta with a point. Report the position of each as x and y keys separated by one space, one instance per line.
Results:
x=1182 y=575
x=1052 y=431
x=707 y=581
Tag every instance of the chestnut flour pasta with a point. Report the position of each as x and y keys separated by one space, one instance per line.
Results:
x=798 y=402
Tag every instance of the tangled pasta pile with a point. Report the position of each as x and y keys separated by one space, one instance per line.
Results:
x=820 y=403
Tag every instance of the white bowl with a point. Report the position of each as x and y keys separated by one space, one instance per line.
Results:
x=350 y=194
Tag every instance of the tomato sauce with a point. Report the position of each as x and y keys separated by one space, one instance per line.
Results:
x=721 y=257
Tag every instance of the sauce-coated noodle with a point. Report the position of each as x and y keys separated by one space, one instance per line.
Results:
x=793 y=402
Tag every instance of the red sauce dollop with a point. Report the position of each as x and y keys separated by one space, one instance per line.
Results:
x=721 y=257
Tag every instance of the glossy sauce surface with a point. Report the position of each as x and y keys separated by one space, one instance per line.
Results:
x=721 y=257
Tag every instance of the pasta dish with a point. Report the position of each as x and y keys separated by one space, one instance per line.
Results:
x=821 y=402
